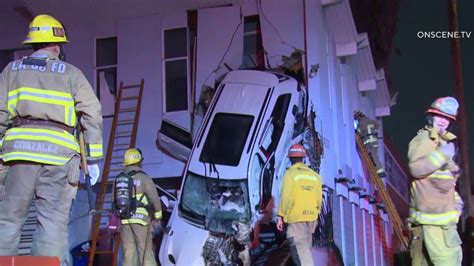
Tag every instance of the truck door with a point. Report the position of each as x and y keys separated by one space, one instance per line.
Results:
x=268 y=144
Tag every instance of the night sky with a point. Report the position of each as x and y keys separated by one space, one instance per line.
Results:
x=421 y=69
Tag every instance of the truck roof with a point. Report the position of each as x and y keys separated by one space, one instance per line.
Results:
x=226 y=139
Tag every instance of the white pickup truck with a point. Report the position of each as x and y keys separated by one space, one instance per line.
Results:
x=232 y=178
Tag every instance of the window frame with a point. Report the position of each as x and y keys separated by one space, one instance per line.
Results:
x=163 y=69
x=15 y=54
x=258 y=34
x=97 y=69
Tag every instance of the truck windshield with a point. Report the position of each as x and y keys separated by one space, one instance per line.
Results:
x=215 y=204
x=226 y=139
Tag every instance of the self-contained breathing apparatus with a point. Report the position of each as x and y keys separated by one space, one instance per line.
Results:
x=125 y=201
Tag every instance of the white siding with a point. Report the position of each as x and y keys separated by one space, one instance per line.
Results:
x=279 y=34
x=360 y=236
x=338 y=223
x=216 y=47
x=350 y=255
x=337 y=109
x=140 y=59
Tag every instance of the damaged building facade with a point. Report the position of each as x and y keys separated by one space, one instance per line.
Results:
x=183 y=49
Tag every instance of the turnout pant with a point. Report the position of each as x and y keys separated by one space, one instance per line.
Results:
x=300 y=238
x=443 y=244
x=373 y=151
x=53 y=187
x=418 y=253
x=134 y=238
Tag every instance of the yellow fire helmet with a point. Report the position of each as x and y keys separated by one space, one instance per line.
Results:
x=45 y=29
x=132 y=156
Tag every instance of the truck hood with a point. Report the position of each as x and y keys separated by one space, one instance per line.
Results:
x=183 y=242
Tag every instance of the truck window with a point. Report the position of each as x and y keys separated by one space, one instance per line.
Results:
x=268 y=146
x=267 y=181
x=277 y=123
x=226 y=139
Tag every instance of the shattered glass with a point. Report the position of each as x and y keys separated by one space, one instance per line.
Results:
x=221 y=202
x=194 y=201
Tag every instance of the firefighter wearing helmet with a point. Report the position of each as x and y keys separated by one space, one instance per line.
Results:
x=42 y=101
x=136 y=233
x=368 y=130
x=435 y=206
x=299 y=205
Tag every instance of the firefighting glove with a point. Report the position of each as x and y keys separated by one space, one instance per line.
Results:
x=94 y=172
x=447 y=149
x=454 y=168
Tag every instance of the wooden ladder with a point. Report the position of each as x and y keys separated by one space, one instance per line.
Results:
x=390 y=207
x=123 y=135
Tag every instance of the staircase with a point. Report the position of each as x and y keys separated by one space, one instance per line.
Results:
x=377 y=181
x=123 y=135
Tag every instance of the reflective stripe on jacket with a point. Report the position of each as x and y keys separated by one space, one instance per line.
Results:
x=61 y=102
x=57 y=92
x=432 y=190
x=147 y=194
x=301 y=194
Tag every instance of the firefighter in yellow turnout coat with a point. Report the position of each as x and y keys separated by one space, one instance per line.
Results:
x=41 y=98
x=369 y=131
x=300 y=205
x=433 y=197
x=136 y=231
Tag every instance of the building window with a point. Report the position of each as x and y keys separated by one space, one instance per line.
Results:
x=253 y=56
x=176 y=69
x=106 y=66
x=6 y=56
